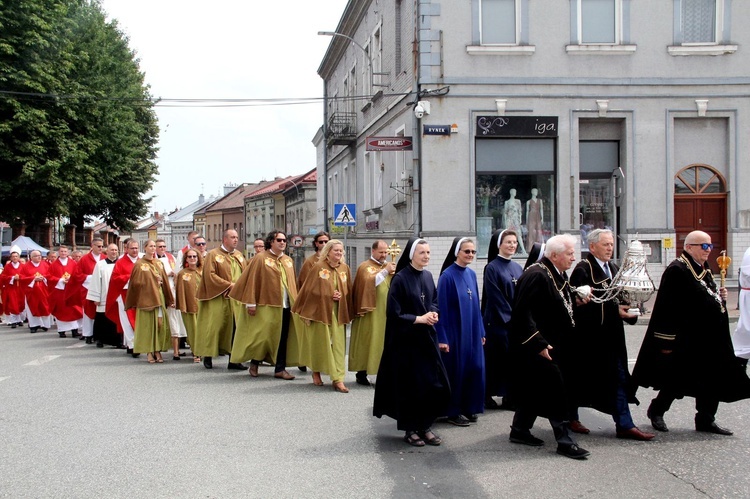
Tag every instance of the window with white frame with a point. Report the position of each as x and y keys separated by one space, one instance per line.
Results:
x=353 y=97
x=600 y=27
x=702 y=27
x=599 y=21
x=366 y=78
x=377 y=54
x=499 y=22
x=699 y=21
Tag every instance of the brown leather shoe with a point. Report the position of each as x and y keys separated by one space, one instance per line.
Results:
x=635 y=434
x=283 y=375
x=253 y=370
x=577 y=427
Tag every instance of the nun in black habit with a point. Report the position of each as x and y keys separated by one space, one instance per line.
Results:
x=412 y=385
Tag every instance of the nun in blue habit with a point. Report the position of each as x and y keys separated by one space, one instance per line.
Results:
x=461 y=333
x=498 y=290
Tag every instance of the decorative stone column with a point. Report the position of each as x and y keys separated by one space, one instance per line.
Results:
x=70 y=235
x=45 y=235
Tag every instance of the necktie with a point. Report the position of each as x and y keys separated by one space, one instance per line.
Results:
x=606 y=271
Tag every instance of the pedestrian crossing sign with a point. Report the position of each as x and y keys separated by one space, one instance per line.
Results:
x=345 y=214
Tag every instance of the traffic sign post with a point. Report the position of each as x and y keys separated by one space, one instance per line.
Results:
x=345 y=216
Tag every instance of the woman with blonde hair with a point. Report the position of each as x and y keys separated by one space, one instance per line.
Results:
x=321 y=312
x=186 y=289
x=150 y=294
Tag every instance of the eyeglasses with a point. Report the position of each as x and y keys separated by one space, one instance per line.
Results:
x=200 y=244
x=704 y=246
x=259 y=246
x=161 y=246
x=322 y=242
x=192 y=256
x=470 y=252
x=99 y=246
x=280 y=240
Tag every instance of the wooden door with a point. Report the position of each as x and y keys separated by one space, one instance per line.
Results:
x=707 y=212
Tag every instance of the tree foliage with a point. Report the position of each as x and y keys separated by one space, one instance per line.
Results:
x=78 y=134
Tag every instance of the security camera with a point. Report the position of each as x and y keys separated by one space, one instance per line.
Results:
x=422 y=108
x=419 y=111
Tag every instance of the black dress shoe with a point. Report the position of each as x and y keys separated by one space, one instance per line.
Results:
x=657 y=422
x=302 y=368
x=44 y=329
x=62 y=335
x=712 y=427
x=129 y=351
x=208 y=363
x=525 y=438
x=89 y=340
x=13 y=326
x=75 y=333
x=473 y=418
x=362 y=378
x=459 y=420
x=489 y=403
x=99 y=344
x=236 y=367
x=573 y=451
x=33 y=329
x=81 y=337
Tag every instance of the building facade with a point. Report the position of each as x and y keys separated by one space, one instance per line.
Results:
x=550 y=117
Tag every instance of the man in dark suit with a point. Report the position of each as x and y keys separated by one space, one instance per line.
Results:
x=600 y=371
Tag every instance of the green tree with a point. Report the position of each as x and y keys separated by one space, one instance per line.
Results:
x=95 y=112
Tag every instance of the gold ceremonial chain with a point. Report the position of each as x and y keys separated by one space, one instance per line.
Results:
x=699 y=278
x=568 y=303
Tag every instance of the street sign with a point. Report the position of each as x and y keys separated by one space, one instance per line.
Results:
x=345 y=215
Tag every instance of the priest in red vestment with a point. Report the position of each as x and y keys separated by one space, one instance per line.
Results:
x=34 y=284
x=68 y=317
x=12 y=294
x=117 y=292
x=78 y=287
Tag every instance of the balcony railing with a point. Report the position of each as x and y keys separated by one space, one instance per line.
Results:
x=342 y=128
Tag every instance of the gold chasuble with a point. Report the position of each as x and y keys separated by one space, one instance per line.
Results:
x=263 y=284
x=368 y=327
x=149 y=293
x=186 y=291
x=321 y=322
x=216 y=311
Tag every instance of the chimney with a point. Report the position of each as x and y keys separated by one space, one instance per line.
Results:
x=201 y=199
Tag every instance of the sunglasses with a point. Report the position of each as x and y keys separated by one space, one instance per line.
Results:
x=161 y=246
x=469 y=252
x=280 y=240
x=192 y=256
x=704 y=246
x=200 y=244
x=321 y=242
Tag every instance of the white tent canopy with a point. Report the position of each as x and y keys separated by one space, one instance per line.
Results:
x=26 y=244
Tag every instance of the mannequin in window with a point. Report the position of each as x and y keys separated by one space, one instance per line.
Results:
x=534 y=219
x=512 y=217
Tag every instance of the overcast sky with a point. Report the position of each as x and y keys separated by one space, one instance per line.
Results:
x=229 y=49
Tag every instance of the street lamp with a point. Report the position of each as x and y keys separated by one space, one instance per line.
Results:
x=368 y=56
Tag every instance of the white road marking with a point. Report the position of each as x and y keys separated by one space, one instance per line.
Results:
x=79 y=344
x=3 y=378
x=43 y=360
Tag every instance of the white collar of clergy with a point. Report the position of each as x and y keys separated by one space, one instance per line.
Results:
x=377 y=261
x=132 y=259
x=274 y=254
x=63 y=261
x=222 y=247
x=15 y=264
x=36 y=264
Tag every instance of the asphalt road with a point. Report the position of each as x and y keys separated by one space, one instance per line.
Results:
x=80 y=422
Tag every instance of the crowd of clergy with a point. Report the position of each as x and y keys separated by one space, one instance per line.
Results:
x=537 y=341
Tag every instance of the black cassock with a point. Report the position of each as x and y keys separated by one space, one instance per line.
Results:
x=598 y=344
x=541 y=317
x=690 y=320
x=412 y=386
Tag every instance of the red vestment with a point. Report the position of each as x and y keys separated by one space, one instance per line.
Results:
x=37 y=296
x=13 y=298
x=60 y=309
x=120 y=277
x=75 y=291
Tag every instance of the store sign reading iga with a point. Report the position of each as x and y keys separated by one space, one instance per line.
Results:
x=389 y=144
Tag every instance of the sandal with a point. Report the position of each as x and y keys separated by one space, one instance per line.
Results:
x=158 y=358
x=413 y=438
x=430 y=438
x=150 y=358
x=317 y=380
x=340 y=387
x=196 y=360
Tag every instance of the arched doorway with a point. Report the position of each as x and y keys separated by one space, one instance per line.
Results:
x=700 y=203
